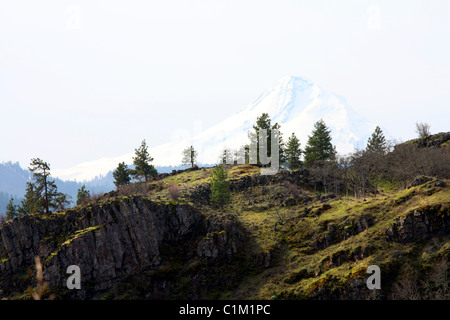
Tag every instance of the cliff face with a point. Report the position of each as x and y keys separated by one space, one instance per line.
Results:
x=112 y=242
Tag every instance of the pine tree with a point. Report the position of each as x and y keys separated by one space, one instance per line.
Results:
x=121 y=175
x=264 y=123
x=227 y=156
x=142 y=167
x=82 y=194
x=62 y=200
x=242 y=156
x=11 y=210
x=220 y=192
x=319 y=145
x=189 y=156
x=32 y=202
x=41 y=171
x=293 y=153
x=377 y=142
x=376 y=149
x=281 y=146
x=43 y=193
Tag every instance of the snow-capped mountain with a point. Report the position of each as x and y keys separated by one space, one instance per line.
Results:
x=295 y=103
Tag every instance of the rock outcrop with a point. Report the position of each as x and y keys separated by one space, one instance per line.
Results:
x=331 y=233
x=111 y=242
x=421 y=224
x=436 y=140
x=296 y=177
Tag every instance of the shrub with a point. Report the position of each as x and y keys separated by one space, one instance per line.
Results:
x=97 y=196
x=174 y=191
x=292 y=187
x=160 y=185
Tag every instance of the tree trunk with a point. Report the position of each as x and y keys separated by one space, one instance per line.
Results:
x=45 y=193
x=376 y=188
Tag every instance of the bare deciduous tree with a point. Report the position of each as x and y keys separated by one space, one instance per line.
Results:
x=423 y=129
x=406 y=288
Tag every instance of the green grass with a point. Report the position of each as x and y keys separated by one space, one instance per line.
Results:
x=295 y=235
x=76 y=235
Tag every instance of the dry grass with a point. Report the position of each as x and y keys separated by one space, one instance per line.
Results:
x=238 y=171
x=292 y=187
x=174 y=191
x=42 y=286
x=97 y=196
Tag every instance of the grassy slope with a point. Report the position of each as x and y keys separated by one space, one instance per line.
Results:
x=297 y=269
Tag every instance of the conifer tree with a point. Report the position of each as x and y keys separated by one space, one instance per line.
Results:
x=376 y=149
x=121 y=175
x=319 y=145
x=42 y=194
x=220 y=192
x=227 y=156
x=264 y=123
x=32 y=202
x=377 y=142
x=293 y=153
x=281 y=146
x=242 y=156
x=11 y=210
x=41 y=171
x=82 y=194
x=142 y=167
x=62 y=200
x=189 y=156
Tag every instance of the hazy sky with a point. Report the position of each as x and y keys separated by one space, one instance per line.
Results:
x=82 y=80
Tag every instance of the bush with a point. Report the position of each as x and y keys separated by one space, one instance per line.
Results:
x=292 y=187
x=174 y=191
x=97 y=196
x=160 y=185
x=85 y=200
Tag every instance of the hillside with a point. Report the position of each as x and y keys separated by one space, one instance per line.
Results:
x=13 y=179
x=278 y=239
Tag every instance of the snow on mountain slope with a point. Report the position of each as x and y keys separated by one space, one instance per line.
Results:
x=295 y=103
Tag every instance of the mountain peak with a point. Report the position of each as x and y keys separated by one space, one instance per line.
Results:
x=294 y=79
x=292 y=82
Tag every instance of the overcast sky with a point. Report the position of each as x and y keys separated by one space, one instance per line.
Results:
x=82 y=80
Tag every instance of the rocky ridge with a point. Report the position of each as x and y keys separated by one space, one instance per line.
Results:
x=111 y=242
